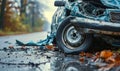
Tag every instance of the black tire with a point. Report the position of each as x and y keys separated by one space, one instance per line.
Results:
x=65 y=46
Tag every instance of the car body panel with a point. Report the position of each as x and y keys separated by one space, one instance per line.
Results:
x=107 y=12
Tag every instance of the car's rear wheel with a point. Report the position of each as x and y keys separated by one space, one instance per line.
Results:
x=70 y=40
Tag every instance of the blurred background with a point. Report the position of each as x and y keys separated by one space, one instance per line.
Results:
x=25 y=16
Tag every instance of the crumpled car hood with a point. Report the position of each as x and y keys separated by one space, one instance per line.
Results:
x=111 y=3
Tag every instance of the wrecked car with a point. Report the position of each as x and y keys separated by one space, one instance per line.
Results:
x=76 y=22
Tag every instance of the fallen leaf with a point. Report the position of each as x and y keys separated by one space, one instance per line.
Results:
x=114 y=59
x=110 y=60
x=50 y=47
x=106 y=54
x=117 y=60
x=97 y=55
x=82 y=54
x=23 y=47
x=11 y=47
x=82 y=59
x=89 y=55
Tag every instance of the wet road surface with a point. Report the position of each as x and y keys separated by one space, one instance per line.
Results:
x=31 y=58
x=6 y=41
x=17 y=58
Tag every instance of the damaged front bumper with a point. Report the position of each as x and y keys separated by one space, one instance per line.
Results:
x=94 y=26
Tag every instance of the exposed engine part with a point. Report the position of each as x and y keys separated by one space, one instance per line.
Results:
x=99 y=3
x=115 y=17
x=91 y=10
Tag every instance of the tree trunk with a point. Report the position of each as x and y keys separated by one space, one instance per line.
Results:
x=23 y=6
x=2 y=14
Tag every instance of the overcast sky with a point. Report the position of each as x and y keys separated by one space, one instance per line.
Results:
x=48 y=13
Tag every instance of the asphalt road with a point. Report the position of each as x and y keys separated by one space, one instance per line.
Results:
x=6 y=41
x=30 y=58
x=14 y=58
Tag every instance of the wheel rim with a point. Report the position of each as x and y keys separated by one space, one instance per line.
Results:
x=71 y=37
x=72 y=66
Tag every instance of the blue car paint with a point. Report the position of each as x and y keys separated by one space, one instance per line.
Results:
x=111 y=3
x=104 y=17
x=74 y=8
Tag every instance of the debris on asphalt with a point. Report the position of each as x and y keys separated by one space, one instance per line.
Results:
x=104 y=60
x=11 y=47
x=38 y=55
x=35 y=56
x=47 y=41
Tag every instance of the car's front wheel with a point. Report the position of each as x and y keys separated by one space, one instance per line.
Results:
x=70 y=40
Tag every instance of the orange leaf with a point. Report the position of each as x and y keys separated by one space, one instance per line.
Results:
x=89 y=55
x=82 y=54
x=49 y=47
x=82 y=59
x=106 y=54
x=110 y=60
x=117 y=60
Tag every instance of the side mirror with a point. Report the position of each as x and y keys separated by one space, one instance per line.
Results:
x=59 y=3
